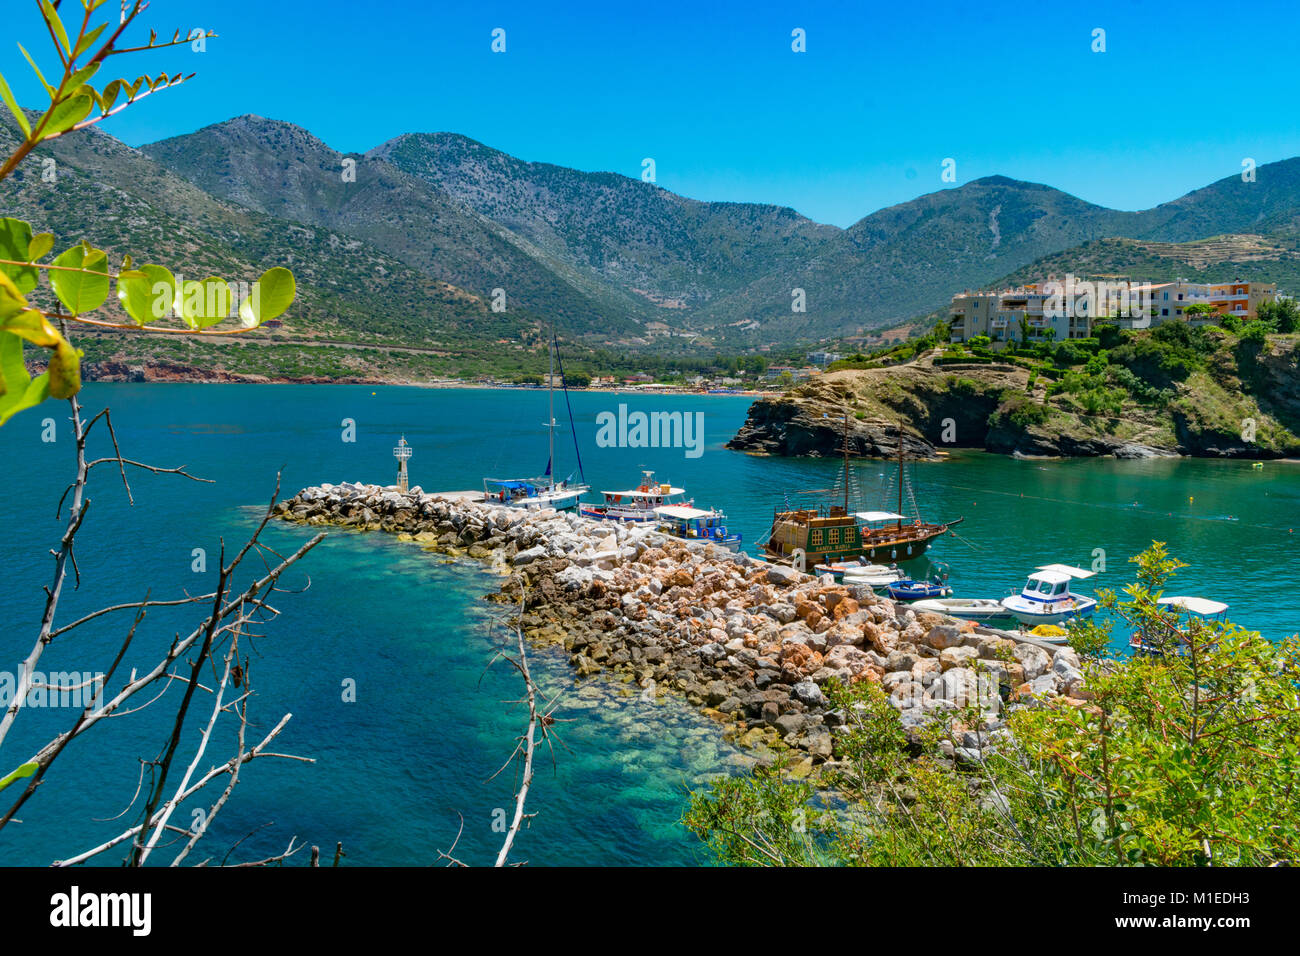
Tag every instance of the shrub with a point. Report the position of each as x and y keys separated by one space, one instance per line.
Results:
x=1019 y=411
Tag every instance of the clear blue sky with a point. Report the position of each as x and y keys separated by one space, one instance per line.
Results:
x=713 y=92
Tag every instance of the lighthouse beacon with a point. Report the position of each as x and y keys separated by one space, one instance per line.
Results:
x=402 y=453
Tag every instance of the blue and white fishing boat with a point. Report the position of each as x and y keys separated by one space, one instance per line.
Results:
x=910 y=590
x=536 y=494
x=697 y=525
x=636 y=505
x=1046 y=597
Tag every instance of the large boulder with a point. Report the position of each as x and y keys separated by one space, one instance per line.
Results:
x=782 y=576
x=943 y=636
x=1033 y=659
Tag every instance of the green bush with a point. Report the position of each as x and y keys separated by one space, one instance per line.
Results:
x=1018 y=411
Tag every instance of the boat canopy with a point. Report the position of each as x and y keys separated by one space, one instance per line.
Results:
x=658 y=491
x=682 y=512
x=1067 y=570
x=1051 y=577
x=1202 y=606
x=511 y=483
x=878 y=516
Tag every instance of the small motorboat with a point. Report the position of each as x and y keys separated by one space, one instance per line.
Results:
x=967 y=609
x=1046 y=597
x=698 y=526
x=1203 y=608
x=910 y=590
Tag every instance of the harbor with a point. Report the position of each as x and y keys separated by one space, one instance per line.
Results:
x=751 y=643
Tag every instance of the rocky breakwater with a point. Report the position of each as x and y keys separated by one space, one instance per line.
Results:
x=753 y=644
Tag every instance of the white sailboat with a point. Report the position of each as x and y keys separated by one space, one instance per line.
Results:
x=536 y=494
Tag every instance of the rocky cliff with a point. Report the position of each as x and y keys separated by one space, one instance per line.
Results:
x=1002 y=408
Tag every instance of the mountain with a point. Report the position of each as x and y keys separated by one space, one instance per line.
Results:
x=283 y=171
x=666 y=254
x=409 y=253
x=350 y=294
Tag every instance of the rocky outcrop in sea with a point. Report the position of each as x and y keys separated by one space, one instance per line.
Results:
x=750 y=643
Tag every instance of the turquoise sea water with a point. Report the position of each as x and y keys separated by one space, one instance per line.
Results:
x=396 y=768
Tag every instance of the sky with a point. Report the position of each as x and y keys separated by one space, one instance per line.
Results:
x=714 y=93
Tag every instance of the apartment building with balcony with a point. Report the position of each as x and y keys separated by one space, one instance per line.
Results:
x=1004 y=316
x=999 y=315
x=1239 y=298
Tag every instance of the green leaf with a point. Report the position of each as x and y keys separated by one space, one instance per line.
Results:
x=15 y=244
x=67 y=113
x=201 y=304
x=65 y=370
x=37 y=70
x=147 y=294
x=41 y=244
x=21 y=391
x=52 y=18
x=79 y=78
x=7 y=95
x=110 y=94
x=271 y=296
x=20 y=319
x=88 y=40
x=85 y=289
x=25 y=770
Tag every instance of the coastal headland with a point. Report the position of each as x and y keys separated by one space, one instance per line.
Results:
x=752 y=644
x=1233 y=407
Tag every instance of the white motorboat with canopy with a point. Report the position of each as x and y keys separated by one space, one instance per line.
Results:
x=1046 y=597
x=697 y=525
x=1204 y=608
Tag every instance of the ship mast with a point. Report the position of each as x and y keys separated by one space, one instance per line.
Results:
x=846 y=459
x=900 y=475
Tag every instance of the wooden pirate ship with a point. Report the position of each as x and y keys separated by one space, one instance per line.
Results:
x=829 y=530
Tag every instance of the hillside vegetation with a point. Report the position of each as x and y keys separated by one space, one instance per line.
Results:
x=1176 y=389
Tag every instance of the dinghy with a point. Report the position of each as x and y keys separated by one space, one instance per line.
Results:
x=966 y=609
x=874 y=576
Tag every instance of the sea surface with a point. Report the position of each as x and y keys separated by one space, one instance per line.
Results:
x=397 y=769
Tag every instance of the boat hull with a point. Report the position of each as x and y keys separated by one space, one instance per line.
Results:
x=966 y=609
x=730 y=543
x=608 y=514
x=917 y=591
x=1033 y=613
